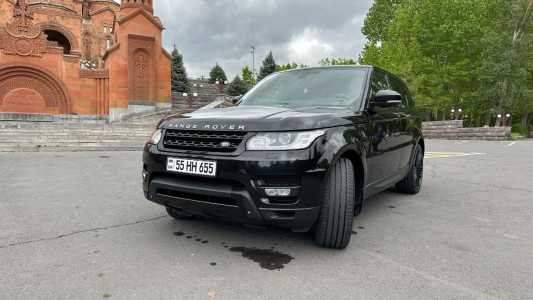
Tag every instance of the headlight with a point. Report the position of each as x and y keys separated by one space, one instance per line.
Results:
x=283 y=140
x=156 y=137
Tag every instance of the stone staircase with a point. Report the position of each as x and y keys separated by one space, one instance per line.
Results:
x=454 y=130
x=129 y=135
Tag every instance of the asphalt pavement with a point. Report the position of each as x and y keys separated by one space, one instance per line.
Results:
x=76 y=226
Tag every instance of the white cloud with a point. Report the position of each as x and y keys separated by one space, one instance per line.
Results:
x=308 y=47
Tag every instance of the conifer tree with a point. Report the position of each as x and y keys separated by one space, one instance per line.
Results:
x=237 y=87
x=217 y=74
x=180 y=82
x=269 y=66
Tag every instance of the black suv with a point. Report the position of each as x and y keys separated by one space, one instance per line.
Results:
x=302 y=150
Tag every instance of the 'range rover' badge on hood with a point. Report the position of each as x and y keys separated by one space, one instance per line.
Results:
x=239 y=127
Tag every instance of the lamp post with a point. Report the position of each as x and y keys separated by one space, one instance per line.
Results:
x=253 y=64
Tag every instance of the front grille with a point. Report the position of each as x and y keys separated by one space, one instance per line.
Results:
x=210 y=141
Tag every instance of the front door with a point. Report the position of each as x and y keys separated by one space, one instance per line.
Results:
x=384 y=131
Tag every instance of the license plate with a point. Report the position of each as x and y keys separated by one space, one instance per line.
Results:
x=192 y=166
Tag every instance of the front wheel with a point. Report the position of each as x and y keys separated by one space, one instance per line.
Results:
x=334 y=226
x=412 y=183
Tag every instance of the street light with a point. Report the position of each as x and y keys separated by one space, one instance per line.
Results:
x=253 y=64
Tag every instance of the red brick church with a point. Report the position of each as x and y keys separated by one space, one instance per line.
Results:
x=82 y=57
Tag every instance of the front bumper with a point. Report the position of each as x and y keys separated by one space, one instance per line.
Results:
x=238 y=192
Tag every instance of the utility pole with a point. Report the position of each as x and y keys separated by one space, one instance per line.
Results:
x=253 y=64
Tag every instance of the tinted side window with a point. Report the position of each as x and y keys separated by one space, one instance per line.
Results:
x=400 y=87
x=379 y=82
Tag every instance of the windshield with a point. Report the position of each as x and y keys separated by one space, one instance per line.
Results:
x=328 y=87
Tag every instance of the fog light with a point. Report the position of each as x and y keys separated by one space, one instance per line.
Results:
x=278 y=192
x=145 y=174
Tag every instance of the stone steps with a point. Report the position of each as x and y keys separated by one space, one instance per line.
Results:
x=66 y=136
x=71 y=148
x=65 y=132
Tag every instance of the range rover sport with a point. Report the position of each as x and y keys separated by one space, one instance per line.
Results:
x=303 y=150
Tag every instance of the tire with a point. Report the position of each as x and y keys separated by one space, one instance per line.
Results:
x=412 y=183
x=179 y=214
x=334 y=225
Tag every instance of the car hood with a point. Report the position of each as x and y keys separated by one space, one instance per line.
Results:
x=254 y=118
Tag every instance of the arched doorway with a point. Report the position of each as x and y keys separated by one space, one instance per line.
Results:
x=141 y=75
x=25 y=89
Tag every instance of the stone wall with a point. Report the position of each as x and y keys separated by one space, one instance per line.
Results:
x=454 y=130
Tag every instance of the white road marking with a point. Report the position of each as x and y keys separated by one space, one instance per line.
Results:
x=511 y=236
x=511 y=144
x=451 y=154
x=484 y=220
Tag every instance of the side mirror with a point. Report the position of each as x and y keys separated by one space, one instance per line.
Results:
x=385 y=98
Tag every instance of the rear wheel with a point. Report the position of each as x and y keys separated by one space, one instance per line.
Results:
x=178 y=214
x=412 y=183
x=334 y=226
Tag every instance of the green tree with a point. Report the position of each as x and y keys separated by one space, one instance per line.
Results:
x=469 y=54
x=337 y=61
x=217 y=74
x=507 y=76
x=180 y=82
x=379 y=17
x=237 y=87
x=247 y=76
x=269 y=66
x=289 y=66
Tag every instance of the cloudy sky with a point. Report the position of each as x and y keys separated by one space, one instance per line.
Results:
x=301 y=31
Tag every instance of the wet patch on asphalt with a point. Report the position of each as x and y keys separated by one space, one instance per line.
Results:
x=268 y=259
